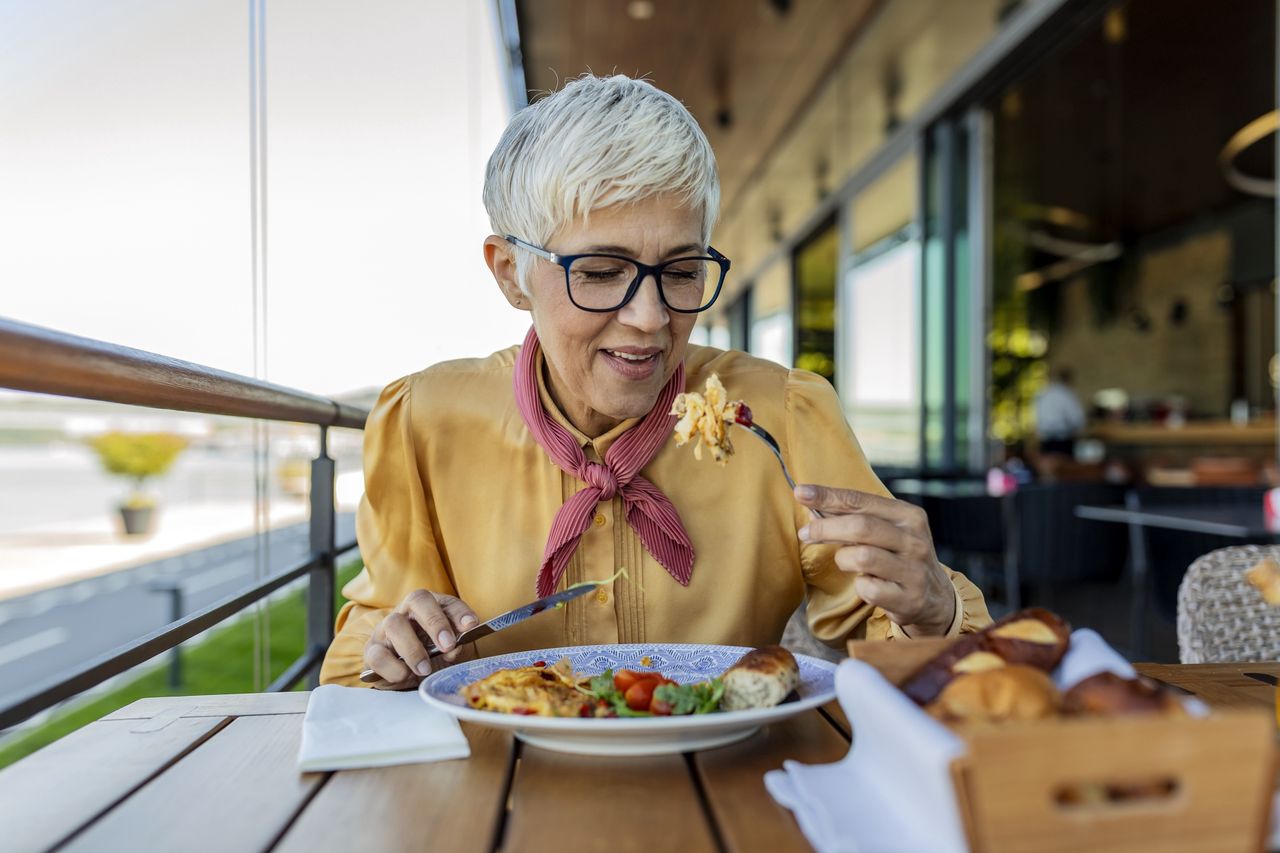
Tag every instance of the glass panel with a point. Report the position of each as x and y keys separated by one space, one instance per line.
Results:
x=963 y=322
x=124 y=161
x=123 y=157
x=880 y=319
x=769 y=307
x=815 y=302
x=375 y=176
x=936 y=357
x=124 y=167
x=882 y=316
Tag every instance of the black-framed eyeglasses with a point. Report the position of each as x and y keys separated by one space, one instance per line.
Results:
x=605 y=283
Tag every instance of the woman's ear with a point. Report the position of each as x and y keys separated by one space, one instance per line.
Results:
x=499 y=255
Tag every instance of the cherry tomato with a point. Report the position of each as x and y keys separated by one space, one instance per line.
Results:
x=640 y=694
x=660 y=708
x=624 y=678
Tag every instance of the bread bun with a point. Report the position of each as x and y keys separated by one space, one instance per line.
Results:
x=927 y=682
x=1035 y=637
x=1009 y=693
x=760 y=679
x=1108 y=694
x=977 y=662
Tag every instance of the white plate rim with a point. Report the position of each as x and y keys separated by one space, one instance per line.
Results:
x=639 y=726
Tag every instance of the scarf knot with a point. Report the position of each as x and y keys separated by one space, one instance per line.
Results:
x=600 y=477
x=648 y=510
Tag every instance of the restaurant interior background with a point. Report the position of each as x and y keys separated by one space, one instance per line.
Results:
x=939 y=205
x=936 y=204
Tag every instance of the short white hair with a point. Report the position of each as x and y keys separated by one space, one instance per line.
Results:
x=597 y=142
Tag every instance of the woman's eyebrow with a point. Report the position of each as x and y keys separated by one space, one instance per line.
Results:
x=630 y=253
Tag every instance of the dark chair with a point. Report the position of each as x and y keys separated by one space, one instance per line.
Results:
x=1170 y=552
x=1048 y=546
x=966 y=523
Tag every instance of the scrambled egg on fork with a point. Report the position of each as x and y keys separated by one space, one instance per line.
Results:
x=707 y=416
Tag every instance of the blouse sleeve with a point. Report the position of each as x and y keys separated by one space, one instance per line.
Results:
x=821 y=448
x=394 y=529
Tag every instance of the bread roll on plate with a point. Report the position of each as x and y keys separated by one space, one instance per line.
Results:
x=762 y=678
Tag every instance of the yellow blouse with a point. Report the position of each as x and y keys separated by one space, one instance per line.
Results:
x=459 y=499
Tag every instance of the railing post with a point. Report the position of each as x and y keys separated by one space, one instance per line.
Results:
x=173 y=588
x=320 y=589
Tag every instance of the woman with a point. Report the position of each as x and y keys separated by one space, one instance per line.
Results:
x=552 y=463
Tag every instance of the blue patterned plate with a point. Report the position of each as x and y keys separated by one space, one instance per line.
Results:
x=629 y=735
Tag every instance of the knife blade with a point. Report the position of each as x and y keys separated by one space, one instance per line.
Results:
x=1264 y=678
x=498 y=623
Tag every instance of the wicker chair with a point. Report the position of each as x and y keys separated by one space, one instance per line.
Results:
x=1221 y=617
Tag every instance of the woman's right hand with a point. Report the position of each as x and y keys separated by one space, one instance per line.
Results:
x=398 y=655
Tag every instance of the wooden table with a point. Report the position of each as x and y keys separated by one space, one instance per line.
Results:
x=217 y=773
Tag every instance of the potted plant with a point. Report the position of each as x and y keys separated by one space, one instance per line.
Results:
x=137 y=456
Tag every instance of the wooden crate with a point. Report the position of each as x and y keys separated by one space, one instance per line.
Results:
x=1221 y=770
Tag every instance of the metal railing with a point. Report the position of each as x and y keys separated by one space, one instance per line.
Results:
x=48 y=362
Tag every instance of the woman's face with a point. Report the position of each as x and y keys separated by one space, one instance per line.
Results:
x=606 y=368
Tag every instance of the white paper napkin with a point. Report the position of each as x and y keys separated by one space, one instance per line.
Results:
x=348 y=727
x=893 y=791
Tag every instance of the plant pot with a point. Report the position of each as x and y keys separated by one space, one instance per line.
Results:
x=137 y=519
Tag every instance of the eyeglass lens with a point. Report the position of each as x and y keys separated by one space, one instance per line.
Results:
x=601 y=283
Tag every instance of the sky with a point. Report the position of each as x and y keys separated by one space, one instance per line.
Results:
x=124 y=163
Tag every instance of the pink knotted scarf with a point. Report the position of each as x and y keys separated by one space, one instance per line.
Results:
x=649 y=512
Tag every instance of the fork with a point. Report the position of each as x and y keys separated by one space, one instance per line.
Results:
x=743 y=419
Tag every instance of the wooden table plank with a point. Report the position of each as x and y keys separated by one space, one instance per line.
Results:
x=446 y=805
x=1219 y=684
x=562 y=802
x=733 y=781
x=238 y=790
x=224 y=705
x=52 y=793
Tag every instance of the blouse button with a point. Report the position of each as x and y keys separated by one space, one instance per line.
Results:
x=599 y=520
x=602 y=594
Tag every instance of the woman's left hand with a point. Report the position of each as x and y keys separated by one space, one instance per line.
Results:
x=887 y=543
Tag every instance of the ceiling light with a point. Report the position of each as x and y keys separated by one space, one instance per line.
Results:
x=640 y=10
x=1254 y=131
x=1114 y=26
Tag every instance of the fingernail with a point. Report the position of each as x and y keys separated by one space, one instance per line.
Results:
x=806 y=493
x=444 y=640
x=468 y=621
x=424 y=667
x=804 y=533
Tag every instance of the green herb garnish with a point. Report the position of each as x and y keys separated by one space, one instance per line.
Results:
x=684 y=699
x=620 y=573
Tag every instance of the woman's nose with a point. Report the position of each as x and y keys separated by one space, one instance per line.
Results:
x=645 y=311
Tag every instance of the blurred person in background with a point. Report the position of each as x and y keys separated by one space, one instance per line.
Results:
x=1059 y=417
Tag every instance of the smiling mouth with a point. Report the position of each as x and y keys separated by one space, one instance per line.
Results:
x=633 y=356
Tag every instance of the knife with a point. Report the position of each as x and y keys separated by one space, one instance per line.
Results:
x=1264 y=678
x=497 y=623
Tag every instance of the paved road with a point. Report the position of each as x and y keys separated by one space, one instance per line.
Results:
x=49 y=632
